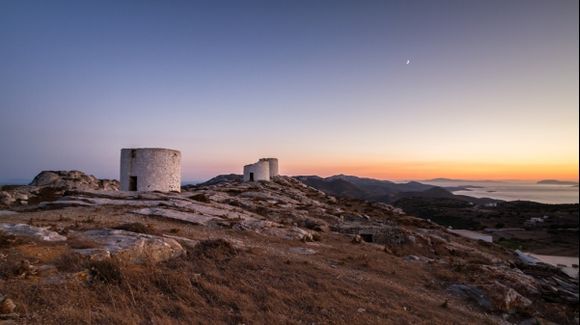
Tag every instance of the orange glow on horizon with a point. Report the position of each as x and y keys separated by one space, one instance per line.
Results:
x=455 y=170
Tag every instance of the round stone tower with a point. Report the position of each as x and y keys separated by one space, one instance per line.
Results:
x=259 y=171
x=273 y=165
x=150 y=169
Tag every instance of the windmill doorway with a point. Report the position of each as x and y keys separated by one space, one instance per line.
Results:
x=132 y=183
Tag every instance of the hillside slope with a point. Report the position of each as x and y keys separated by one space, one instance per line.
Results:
x=274 y=252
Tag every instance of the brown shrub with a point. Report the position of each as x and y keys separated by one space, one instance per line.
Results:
x=88 y=219
x=106 y=271
x=80 y=243
x=12 y=268
x=232 y=202
x=263 y=211
x=139 y=228
x=6 y=240
x=234 y=191
x=213 y=249
x=200 y=198
x=70 y=262
x=445 y=275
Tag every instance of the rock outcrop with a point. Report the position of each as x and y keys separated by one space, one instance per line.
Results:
x=24 y=230
x=73 y=180
x=49 y=185
x=129 y=246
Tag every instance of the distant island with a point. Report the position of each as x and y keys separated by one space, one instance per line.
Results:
x=443 y=179
x=557 y=182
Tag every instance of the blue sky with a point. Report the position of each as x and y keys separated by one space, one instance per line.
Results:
x=491 y=89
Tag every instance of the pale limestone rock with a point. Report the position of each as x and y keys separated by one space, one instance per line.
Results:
x=129 y=246
x=195 y=218
x=72 y=180
x=25 y=230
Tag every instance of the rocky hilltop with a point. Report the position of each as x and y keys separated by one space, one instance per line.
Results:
x=73 y=179
x=50 y=184
x=276 y=252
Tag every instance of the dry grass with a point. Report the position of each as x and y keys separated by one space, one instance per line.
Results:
x=70 y=262
x=106 y=271
x=12 y=268
x=218 y=250
x=80 y=243
x=217 y=283
x=6 y=240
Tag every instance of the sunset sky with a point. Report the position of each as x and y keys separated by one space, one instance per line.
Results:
x=490 y=91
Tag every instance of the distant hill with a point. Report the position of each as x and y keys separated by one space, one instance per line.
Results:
x=369 y=189
x=381 y=190
x=461 y=187
x=220 y=179
x=362 y=188
x=556 y=182
x=422 y=200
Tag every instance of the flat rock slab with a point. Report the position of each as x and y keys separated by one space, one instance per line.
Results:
x=183 y=241
x=191 y=217
x=471 y=293
x=7 y=213
x=107 y=201
x=301 y=250
x=129 y=246
x=472 y=235
x=24 y=230
x=64 y=203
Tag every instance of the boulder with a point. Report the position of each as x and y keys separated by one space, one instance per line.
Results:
x=315 y=224
x=517 y=279
x=129 y=246
x=46 y=178
x=6 y=198
x=109 y=184
x=292 y=233
x=471 y=293
x=506 y=299
x=525 y=258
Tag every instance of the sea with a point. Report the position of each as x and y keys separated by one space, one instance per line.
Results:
x=514 y=190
